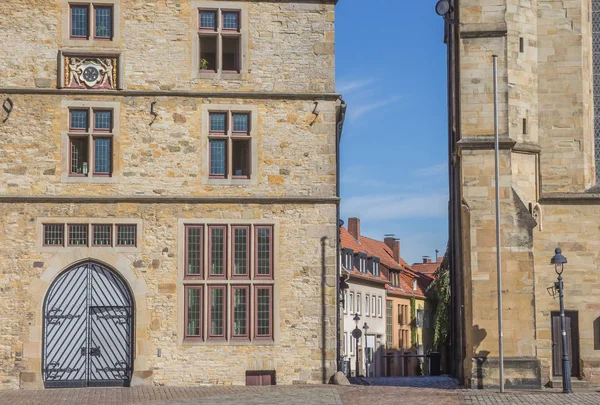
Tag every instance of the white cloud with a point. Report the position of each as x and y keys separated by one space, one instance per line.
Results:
x=346 y=87
x=431 y=171
x=397 y=206
x=358 y=111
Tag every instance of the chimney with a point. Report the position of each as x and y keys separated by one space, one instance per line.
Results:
x=426 y=259
x=354 y=227
x=393 y=243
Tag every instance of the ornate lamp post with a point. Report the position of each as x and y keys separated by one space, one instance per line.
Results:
x=356 y=333
x=559 y=261
x=366 y=328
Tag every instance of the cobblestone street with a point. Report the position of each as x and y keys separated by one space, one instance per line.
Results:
x=380 y=391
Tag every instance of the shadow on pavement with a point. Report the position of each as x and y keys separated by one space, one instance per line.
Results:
x=434 y=382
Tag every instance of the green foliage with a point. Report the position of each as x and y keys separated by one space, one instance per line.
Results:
x=203 y=64
x=440 y=293
x=413 y=322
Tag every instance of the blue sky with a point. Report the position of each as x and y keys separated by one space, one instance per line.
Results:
x=391 y=70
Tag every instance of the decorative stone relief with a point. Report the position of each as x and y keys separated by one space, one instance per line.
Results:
x=90 y=72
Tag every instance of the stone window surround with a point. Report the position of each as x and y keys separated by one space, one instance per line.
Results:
x=64 y=142
x=89 y=251
x=115 y=42
x=183 y=282
x=235 y=108
x=242 y=7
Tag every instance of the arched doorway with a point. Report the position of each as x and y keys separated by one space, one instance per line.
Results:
x=88 y=329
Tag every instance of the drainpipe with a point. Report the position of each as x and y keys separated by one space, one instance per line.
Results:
x=339 y=127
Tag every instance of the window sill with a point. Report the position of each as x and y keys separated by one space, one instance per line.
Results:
x=97 y=179
x=204 y=74
x=230 y=182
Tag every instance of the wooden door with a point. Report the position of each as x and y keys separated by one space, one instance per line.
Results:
x=572 y=328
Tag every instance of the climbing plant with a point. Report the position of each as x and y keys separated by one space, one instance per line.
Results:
x=413 y=323
x=440 y=293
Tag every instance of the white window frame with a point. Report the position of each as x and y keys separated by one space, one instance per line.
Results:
x=373 y=312
x=379 y=306
x=351 y=303
x=351 y=344
x=358 y=303
x=345 y=302
x=367 y=306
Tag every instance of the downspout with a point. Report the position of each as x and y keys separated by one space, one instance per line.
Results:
x=339 y=127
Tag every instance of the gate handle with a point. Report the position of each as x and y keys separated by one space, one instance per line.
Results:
x=93 y=351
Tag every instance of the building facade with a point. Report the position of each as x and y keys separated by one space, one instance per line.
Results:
x=168 y=208
x=549 y=160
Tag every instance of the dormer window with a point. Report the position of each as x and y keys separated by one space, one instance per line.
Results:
x=415 y=284
x=376 y=271
x=347 y=256
x=361 y=262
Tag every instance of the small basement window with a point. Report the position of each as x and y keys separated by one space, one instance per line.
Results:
x=260 y=377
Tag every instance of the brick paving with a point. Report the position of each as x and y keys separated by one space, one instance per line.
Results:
x=372 y=391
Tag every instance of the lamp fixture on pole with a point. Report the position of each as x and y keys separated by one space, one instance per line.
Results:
x=356 y=334
x=559 y=262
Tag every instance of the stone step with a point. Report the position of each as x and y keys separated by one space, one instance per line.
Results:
x=575 y=383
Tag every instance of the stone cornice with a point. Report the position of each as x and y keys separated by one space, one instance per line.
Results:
x=40 y=199
x=592 y=196
x=173 y=93
x=504 y=142
x=483 y=30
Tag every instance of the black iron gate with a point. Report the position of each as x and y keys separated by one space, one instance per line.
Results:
x=88 y=329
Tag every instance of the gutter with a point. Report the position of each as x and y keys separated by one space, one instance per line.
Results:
x=341 y=117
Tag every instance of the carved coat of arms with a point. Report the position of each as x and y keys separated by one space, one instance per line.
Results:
x=90 y=72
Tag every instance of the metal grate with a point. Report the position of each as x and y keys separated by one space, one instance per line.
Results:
x=78 y=235
x=102 y=235
x=54 y=234
x=126 y=235
x=596 y=84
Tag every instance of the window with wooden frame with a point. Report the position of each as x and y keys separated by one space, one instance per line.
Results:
x=90 y=142
x=77 y=234
x=239 y=286
x=102 y=234
x=82 y=16
x=229 y=143
x=54 y=234
x=126 y=235
x=91 y=234
x=219 y=40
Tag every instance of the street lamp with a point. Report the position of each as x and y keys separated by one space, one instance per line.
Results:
x=366 y=328
x=356 y=333
x=559 y=261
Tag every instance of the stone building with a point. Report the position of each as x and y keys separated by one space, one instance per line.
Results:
x=548 y=65
x=168 y=192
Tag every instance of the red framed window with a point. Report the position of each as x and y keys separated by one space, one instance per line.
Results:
x=240 y=251
x=231 y=51
x=263 y=308
x=216 y=252
x=240 y=308
x=217 y=311
x=230 y=145
x=79 y=21
x=78 y=120
x=101 y=235
x=99 y=158
x=193 y=312
x=126 y=235
x=78 y=235
x=193 y=251
x=103 y=18
x=263 y=252
x=208 y=20
x=78 y=156
x=54 y=235
x=231 y=20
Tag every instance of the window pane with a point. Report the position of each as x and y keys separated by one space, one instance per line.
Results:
x=263 y=310
x=79 y=21
x=78 y=120
x=208 y=53
x=193 y=312
x=126 y=235
x=231 y=52
x=208 y=19
x=240 y=123
x=53 y=234
x=240 y=157
x=240 y=263
x=240 y=296
x=216 y=311
x=102 y=235
x=194 y=246
x=217 y=251
x=103 y=120
x=263 y=251
x=230 y=21
x=79 y=156
x=104 y=22
x=217 y=122
x=217 y=158
x=102 y=155
x=78 y=235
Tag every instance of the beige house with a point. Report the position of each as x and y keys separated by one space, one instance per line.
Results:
x=549 y=112
x=168 y=203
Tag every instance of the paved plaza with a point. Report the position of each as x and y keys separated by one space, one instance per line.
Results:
x=371 y=391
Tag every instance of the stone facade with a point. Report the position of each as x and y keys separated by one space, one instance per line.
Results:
x=547 y=180
x=159 y=180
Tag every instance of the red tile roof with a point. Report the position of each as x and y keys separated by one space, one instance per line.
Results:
x=349 y=242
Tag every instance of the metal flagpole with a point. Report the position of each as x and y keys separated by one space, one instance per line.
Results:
x=500 y=330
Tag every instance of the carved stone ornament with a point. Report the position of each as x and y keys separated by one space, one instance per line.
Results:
x=90 y=72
